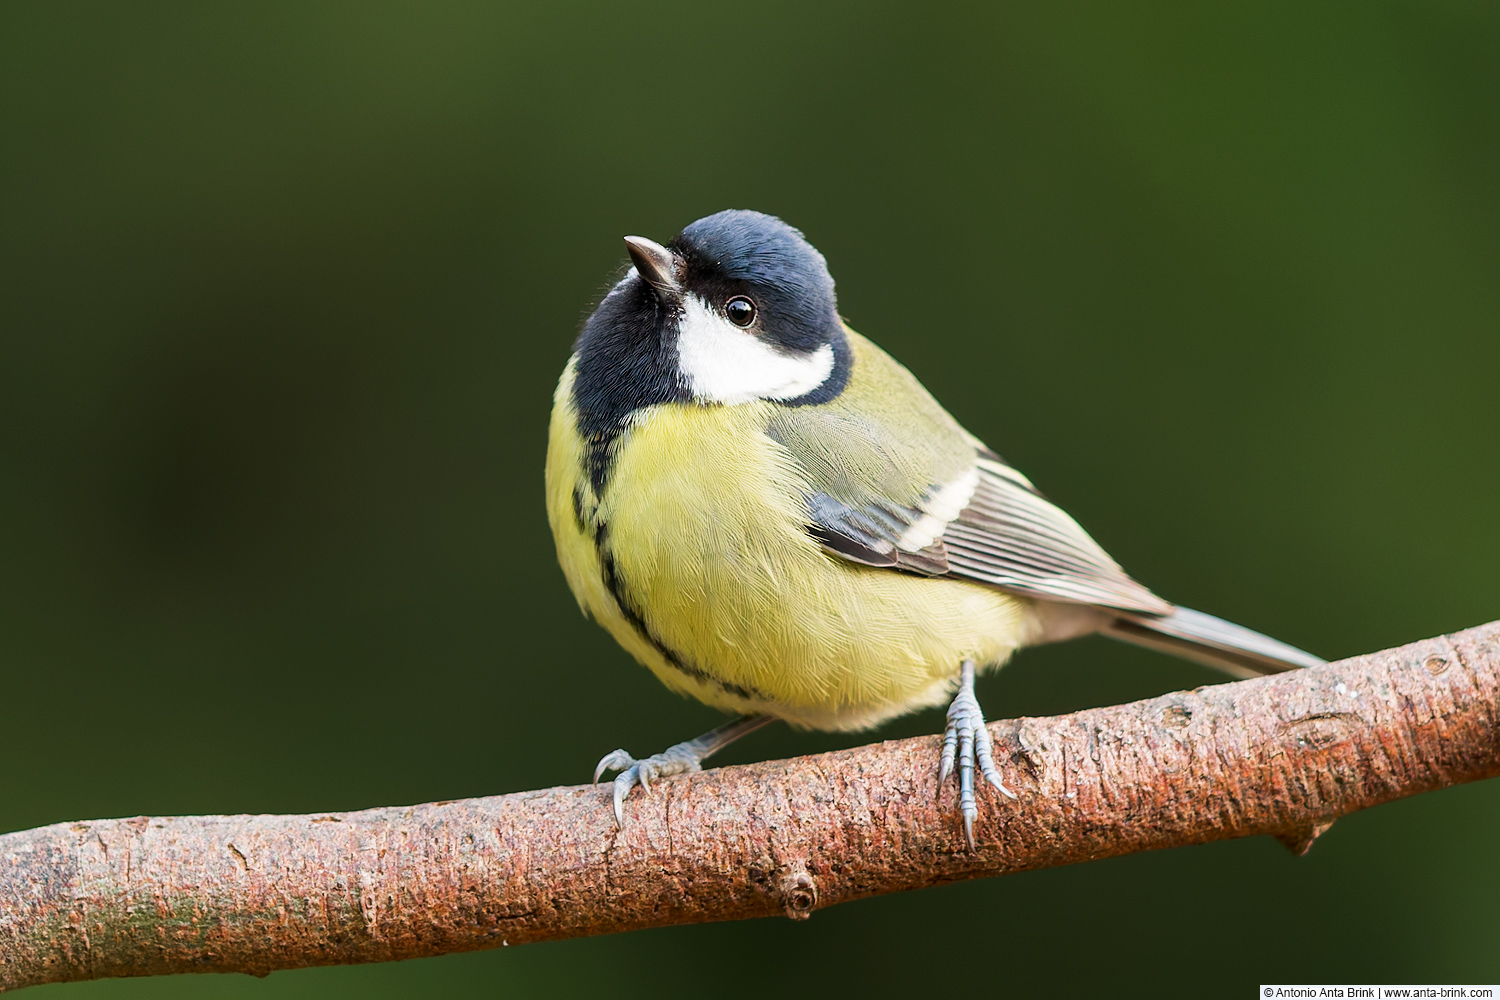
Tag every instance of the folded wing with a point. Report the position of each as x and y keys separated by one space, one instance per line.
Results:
x=962 y=513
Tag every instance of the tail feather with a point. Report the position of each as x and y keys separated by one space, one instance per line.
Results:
x=1210 y=641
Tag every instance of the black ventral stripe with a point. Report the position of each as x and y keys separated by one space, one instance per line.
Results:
x=610 y=574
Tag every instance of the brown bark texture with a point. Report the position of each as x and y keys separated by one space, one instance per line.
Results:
x=1283 y=755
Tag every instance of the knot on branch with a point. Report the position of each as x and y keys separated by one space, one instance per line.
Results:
x=799 y=895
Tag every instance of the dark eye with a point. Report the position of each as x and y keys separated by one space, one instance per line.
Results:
x=740 y=310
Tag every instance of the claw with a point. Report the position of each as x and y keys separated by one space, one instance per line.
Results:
x=950 y=748
x=622 y=789
x=612 y=761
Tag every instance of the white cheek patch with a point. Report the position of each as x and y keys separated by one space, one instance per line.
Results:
x=724 y=364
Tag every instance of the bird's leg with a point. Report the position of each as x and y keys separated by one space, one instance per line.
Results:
x=679 y=759
x=966 y=738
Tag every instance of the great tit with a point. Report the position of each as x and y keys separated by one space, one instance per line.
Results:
x=775 y=517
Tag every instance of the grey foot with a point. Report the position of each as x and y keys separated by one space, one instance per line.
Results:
x=680 y=759
x=967 y=739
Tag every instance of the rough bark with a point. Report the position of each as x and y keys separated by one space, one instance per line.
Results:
x=1282 y=755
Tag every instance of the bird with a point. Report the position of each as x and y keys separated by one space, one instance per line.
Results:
x=775 y=517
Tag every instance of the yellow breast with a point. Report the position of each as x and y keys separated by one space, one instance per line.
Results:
x=696 y=559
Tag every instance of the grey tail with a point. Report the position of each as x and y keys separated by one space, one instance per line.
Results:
x=1210 y=641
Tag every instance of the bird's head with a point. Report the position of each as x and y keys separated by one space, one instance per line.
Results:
x=737 y=307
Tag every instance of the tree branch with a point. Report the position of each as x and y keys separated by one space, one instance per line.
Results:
x=1283 y=755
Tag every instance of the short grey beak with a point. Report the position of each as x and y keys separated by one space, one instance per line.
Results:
x=656 y=264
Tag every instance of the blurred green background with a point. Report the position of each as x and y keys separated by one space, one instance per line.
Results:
x=286 y=287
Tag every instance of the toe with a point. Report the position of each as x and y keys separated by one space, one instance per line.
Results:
x=985 y=751
x=966 y=801
x=950 y=752
x=615 y=760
